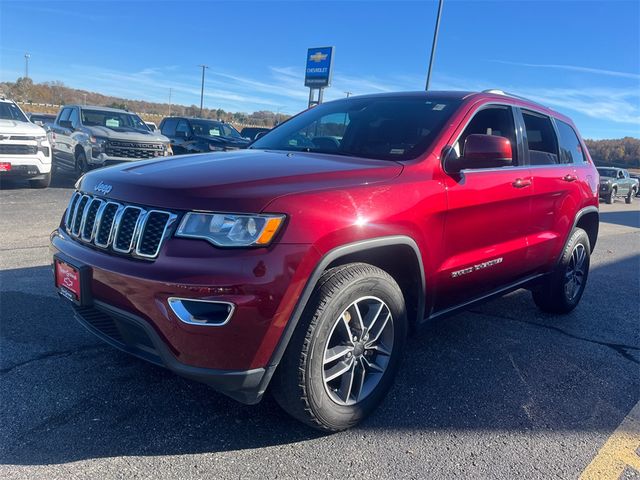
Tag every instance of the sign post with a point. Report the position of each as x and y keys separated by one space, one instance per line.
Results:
x=318 y=72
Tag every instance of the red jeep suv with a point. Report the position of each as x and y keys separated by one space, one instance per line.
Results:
x=301 y=263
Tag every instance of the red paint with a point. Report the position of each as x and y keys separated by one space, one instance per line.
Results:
x=519 y=215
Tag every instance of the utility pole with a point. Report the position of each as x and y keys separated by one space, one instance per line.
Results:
x=27 y=56
x=348 y=94
x=435 y=41
x=85 y=98
x=169 y=102
x=202 y=88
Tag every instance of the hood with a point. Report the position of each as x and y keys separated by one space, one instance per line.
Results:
x=604 y=179
x=238 y=181
x=14 y=127
x=126 y=135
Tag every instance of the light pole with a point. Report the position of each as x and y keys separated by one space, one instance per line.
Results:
x=435 y=41
x=202 y=88
x=84 y=95
x=169 y=102
x=348 y=94
x=27 y=56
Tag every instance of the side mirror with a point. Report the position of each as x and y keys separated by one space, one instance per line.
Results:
x=66 y=124
x=480 y=151
x=260 y=135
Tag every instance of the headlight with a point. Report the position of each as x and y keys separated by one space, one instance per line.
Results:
x=97 y=145
x=168 y=150
x=228 y=230
x=41 y=147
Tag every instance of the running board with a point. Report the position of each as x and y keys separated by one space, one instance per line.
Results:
x=483 y=298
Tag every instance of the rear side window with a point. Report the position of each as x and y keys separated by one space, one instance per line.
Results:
x=541 y=139
x=65 y=114
x=570 y=148
x=168 y=126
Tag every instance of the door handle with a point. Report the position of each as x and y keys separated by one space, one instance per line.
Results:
x=521 y=183
x=569 y=178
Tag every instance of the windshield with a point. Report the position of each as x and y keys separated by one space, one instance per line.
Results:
x=10 y=111
x=607 y=172
x=118 y=121
x=213 y=129
x=387 y=128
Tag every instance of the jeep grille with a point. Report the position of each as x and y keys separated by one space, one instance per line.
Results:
x=118 y=227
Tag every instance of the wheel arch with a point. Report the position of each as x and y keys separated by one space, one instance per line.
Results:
x=361 y=251
x=588 y=219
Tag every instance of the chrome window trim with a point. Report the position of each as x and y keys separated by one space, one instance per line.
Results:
x=175 y=303
x=114 y=245
x=170 y=221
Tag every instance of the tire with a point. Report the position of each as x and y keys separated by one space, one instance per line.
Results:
x=41 y=183
x=611 y=198
x=629 y=198
x=82 y=166
x=302 y=384
x=562 y=289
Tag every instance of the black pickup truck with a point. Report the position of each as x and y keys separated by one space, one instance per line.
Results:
x=199 y=135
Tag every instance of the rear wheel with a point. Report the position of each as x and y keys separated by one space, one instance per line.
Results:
x=629 y=198
x=42 y=182
x=345 y=352
x=562 y=290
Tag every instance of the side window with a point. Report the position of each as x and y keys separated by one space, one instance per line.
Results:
x=494 y=120
x=64 y=115
x=570 y=148
x=169 y=127
x=75 y=120
x=183 y=127
x=541 y=139
x=620 y=174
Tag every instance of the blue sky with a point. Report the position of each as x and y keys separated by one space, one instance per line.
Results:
x=579 y=57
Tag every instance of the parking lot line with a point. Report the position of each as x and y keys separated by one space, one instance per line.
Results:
x=619 y=452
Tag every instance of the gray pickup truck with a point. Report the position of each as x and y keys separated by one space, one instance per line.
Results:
x=85 y=137
x=616 y=182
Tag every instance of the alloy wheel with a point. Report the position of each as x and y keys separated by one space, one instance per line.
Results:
x=576 y=272
x=358 y=350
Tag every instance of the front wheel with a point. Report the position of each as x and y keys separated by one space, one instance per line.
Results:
x=611 y=198
x=345 y=352
x=41 y=183
x=562 y=290
x=82 y=166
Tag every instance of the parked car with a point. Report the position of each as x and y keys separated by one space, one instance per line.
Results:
x=86 y=137
x=25 y=151
x=251 y=133
x=636 y=177
x=616 y=182
x=198 y=135
x=301 y=263
x=42 y=119
x=152 y=126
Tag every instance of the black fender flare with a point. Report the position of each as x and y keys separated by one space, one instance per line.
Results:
x=581 y=213
x=321 y=266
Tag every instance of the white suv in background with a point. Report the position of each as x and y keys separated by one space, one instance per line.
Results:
x=25 y=151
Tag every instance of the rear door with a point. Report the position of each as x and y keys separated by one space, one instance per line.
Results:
x=487 y=220
x=559 y=170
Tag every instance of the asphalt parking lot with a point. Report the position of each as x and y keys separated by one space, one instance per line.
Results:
x=503 y=391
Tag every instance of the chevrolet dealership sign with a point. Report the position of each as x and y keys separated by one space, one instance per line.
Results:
x=318 y=71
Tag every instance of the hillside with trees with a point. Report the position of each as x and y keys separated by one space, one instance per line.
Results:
x=622 y=152
x=26 y=92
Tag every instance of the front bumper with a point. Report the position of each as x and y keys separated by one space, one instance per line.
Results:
x=27 y=166
x=130 y=297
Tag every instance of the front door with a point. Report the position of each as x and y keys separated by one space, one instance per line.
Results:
x=487 y=219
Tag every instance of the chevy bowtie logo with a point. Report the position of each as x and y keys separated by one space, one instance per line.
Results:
x=318 y=57
x=103 y=188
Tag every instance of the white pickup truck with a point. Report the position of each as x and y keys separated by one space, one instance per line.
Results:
x=25 y=151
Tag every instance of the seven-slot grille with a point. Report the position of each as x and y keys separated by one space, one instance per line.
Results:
x=134 y=149
x=126 y=229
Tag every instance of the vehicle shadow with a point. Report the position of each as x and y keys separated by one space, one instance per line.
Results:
x=59 y=180
x=630 y=218
x=502 y=366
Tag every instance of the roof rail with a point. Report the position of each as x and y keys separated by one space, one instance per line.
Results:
x=497 y=91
